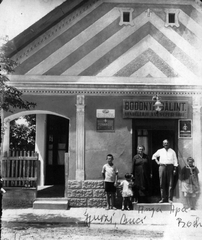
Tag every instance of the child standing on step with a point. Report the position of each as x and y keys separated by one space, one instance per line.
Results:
x=190 y=183
x=127 y=192
x=110 y=176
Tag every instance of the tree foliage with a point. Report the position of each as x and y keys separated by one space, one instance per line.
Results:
x=11 y=97
x=22 y=135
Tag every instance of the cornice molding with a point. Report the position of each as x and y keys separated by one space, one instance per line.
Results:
x=92 y=85
x=115 y=92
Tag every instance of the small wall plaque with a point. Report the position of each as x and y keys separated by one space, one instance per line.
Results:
x=185 y=128
x=105 y=124
x=105 y=113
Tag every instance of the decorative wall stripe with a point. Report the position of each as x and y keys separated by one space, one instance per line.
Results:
x=179 y=68
x=191 y=24
x=149 y=69
x=171 y=46
x=147 y=56
x=63 y=39
x=126 y=58
x=175 y=50
x=98 y=45
x=177 y=40
x=116 y=51
x=76 y=42
x=84 y=49
x=55 y=31
x=105 y=47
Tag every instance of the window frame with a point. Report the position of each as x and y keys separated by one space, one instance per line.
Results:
x=176 y=17
x=126 y=10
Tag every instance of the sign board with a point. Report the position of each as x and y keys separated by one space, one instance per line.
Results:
x=105 y=124
x=185 y=128
x=133 y=108
x=105 y=119
x=105 y=113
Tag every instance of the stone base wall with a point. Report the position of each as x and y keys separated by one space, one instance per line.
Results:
x=88 y=193
x=18 y=197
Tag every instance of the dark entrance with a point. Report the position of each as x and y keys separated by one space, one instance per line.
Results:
x=57 y=145
x=151 y=133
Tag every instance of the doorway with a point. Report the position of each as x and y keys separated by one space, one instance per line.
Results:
x=56 y=146
x=156 y=140
x=151 y=133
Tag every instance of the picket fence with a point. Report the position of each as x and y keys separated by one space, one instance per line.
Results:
x=20 y=169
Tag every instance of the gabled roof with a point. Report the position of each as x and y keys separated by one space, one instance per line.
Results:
x=87 y=38
x=45 y=23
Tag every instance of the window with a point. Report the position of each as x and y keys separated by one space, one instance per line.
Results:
x=172 y=17
x=126 y=16
x=143 y=138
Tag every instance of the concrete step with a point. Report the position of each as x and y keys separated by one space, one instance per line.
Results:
x=51 y=203
x=152 y=206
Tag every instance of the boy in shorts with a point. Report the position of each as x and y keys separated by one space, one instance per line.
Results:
x=110 y=176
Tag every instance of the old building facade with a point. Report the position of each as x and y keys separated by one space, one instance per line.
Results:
x=93 y=68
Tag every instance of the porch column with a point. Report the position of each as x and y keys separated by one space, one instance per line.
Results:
x=197 y=131
x=197 y=141
x=80 y=111
x=40 y=145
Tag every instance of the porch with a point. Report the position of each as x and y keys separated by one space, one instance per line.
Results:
x=20 y=173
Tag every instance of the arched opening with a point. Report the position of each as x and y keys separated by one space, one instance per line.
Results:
x=52 y=144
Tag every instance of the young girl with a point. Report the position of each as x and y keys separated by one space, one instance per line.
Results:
x=190 y=183
x=127 y=192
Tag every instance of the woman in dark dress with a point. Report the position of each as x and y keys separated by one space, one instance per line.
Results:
x=141 y=171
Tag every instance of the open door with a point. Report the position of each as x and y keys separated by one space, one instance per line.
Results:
x=57 y=146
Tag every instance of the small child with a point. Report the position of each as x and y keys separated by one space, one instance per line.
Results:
x=127 y=192
x=1 y=186
x=190 y=183
x=110 y=175
x=2 y=191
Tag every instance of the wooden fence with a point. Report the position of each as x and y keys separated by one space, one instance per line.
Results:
x=20 y=169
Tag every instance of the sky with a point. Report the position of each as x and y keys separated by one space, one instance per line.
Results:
x=18 y=15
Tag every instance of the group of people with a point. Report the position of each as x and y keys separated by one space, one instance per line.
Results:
x=137 y=184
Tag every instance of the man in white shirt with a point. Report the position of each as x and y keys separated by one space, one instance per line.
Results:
x=167 y=160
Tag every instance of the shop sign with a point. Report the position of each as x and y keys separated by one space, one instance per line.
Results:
x=145 y=109
x=185 y=128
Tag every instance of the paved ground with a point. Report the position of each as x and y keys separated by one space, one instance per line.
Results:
x=98 y=224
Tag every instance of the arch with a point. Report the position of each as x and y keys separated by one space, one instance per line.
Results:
x=23 y=113
x=39 y=147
